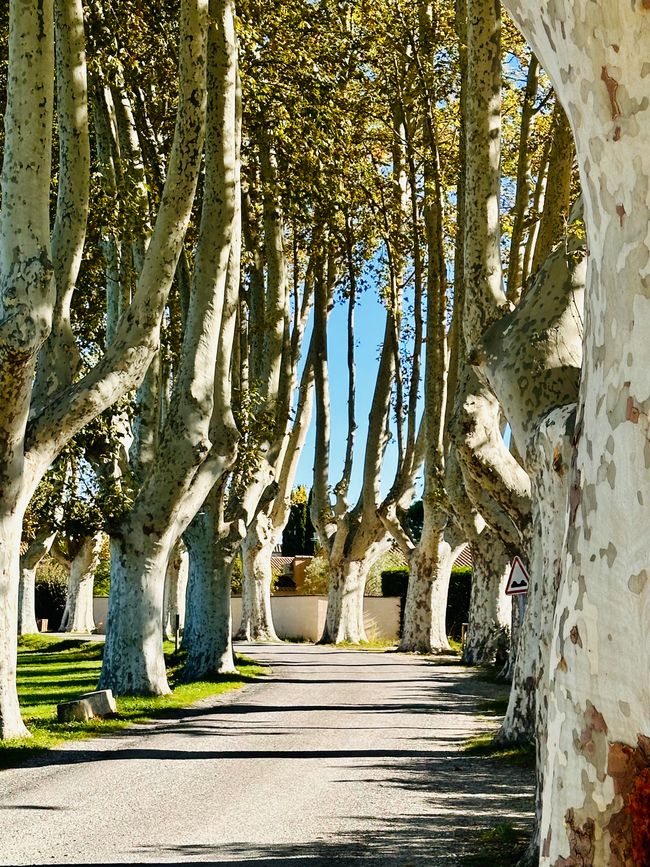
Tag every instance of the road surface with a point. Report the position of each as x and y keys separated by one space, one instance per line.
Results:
x=337 y=758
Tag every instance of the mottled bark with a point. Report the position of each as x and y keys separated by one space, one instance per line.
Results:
x=551 y=312
x=198 y=440
x=27 y=295
x=78 y=614
x=207 y=619
x=133 y=660
x=425 y=611
x=598 y=722
x=344 y=620
x=488 y=630
x=256 y=551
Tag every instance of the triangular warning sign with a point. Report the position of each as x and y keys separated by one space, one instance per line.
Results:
x=518 y=580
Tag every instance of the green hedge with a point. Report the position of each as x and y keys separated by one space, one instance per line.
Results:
x=394 y=582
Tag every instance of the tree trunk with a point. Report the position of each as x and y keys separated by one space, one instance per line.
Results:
x=598 y=709
x=11 y=724
x=133 y=655
x=26 y=601
x=256 y=618
x=175 y=589
x=208 y=620
x=344 y=620
x=78 y=614
x=425 y=612
x=490 y=610
x=27 y=588
x=550 y=460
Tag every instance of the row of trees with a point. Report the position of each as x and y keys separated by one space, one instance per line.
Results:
x=165 y=287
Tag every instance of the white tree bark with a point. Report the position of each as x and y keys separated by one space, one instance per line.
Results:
x=175 y=590
x=27 y=590
x=598 y=724
x=256 y=551
x=425 y=611
x=31 y=299
x=27 y=293
x=78 y=614
x=489 y=618
x=133 y=659
x=199 y=438
x=208 y=620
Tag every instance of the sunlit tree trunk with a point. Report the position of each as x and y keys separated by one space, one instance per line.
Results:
x=198 y=440
x=207 y=619
x=27 y=591
x=78 y=614
x=598 y=729
x=488 y=628
x=35 y=293
x=256 y=551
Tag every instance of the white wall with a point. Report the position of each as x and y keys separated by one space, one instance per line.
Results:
x=304 y=616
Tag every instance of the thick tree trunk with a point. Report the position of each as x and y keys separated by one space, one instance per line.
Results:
x=78 y=614
x=133 y=655
x=199 y=439
x=208 y=620
x=490 y=610
x=344 y=620
x=256 y=618
x=425 y=612
x=27 y=294
x=175 y=589
x=598 y=707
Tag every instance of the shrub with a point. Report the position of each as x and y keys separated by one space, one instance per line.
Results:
x=394 y=582
x=102 y=576
x=51 y=590
x=460 y=588
x=317 y=577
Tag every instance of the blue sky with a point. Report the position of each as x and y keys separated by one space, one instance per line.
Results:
x=370 y=324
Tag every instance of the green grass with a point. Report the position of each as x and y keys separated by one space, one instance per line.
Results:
x=503 y=845
x=481 y=745
x=375 y=644
x=51 y=671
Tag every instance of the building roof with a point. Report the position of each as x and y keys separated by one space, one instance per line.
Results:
x=465 y=558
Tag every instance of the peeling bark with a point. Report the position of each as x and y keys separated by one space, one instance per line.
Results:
x=207 y=619
x=488 y=630
x=591 y=51
x=257 y=548
x=425 y=612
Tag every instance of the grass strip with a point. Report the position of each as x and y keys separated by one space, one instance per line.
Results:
x=503 y=846
x=51 y=671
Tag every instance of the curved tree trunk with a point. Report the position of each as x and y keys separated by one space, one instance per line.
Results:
x=490 y=610
x=256 y=617
x=78 y=614
x=174 y=593
x=133 y=655
x=207 y=618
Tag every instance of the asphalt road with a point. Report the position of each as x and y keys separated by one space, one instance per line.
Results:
x=337 y=757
